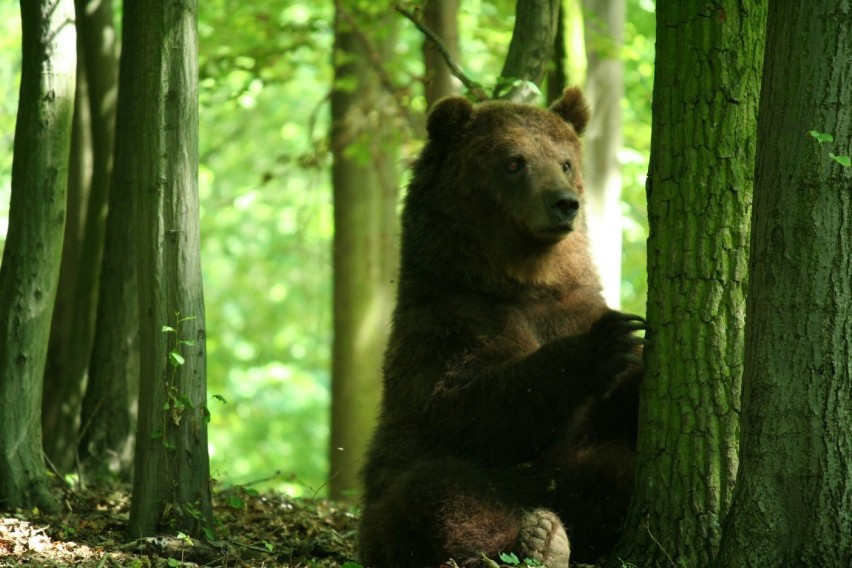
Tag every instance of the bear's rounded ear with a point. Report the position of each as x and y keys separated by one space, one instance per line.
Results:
x=573 y=109
x=447 y=118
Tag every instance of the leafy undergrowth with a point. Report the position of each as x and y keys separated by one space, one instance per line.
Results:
x=265 y=530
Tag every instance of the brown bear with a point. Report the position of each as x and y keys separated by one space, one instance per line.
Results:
x=510 y=388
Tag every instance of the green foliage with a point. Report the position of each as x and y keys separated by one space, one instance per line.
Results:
x=10 y=78
x=638 y=58
x=821 y=137
x=511 y=559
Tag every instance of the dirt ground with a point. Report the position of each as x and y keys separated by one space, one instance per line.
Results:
x=256 y=530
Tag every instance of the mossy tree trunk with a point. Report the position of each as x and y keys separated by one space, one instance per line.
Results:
x=30 y=268
x=171 y=483
x=530 y=51
x=706 y=88
x=107 y=424
x=793 y=498
x=65 y=382
x=365 y=181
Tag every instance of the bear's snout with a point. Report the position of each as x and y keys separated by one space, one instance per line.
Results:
x=563 y=207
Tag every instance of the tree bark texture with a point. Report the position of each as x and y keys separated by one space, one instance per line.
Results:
x=65 y=386
x=793 y=499
x=171 y=484
x=699 y=188
x=530 y=50
x=441 y=16
x=108 y=416
x=64 y=309
x=557 y=72
x=30 y=268
x=604 y=33
x=365 y=181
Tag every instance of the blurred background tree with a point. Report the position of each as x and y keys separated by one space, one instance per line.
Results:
x=267 y=221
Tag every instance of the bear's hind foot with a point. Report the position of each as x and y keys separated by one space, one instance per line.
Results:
x=543 y=538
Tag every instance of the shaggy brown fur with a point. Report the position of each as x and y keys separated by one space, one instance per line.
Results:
x=509 y=385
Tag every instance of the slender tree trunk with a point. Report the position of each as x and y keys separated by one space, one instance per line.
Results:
x=530 y=51
x=107 y=429
x=29 y=271
x=441 y=16
x=64 y=311
x=699 y=199
x=65 y=386
x=604 y=33
x=365 y=182
x=557 y=73
x=171 y=484
x=793 y=498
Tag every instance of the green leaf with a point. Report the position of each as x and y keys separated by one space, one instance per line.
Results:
x=220 y=398
x=209 y=533
x=173 y=562
x=821 y=136
x=844 y=161
x=270 y=547
x=351 y=564
x=184 y=400
x=509 y=558
x=235 y=502
x=176 y=359
x=156 y=435
x=167 y=329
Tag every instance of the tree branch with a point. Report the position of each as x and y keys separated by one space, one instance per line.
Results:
x=472 y=86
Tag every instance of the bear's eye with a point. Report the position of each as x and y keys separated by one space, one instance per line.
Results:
x=515 y=164
x=566 y=166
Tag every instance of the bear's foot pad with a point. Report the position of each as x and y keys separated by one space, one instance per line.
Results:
x=542 y=538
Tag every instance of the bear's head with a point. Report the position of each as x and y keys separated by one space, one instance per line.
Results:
x=510 y=168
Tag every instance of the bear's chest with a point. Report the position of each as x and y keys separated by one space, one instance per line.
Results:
x=539 y=323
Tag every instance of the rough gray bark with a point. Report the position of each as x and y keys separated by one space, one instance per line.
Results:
x=171 y=483
x=604 y=35
x=793 y=498
x=29 y=271
x=699 y=187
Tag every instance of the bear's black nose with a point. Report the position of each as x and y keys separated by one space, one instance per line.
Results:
x=565 y=206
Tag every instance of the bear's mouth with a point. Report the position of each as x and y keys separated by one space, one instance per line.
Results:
x=555 y=231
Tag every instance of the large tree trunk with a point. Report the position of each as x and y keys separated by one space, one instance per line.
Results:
x=65 y=383
x=171 y=484
x=793 y=498
x=441 y=16
x=30 y=268
x=604 y=33
x=699 y=198
x=108 y=423
x=364 y=175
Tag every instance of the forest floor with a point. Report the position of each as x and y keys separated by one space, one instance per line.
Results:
x=254 y=530
x=263 y=530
